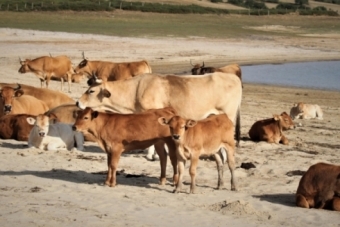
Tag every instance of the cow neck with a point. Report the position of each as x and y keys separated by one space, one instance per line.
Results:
x=280 y=127
x=99 y=123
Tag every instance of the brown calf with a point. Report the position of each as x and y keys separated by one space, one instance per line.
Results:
x=319 y=187
x=15 y=127
x=117 y=133
x=270 y=130
x=205 y=137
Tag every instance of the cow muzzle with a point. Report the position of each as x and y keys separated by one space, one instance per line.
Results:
x=74 y=128
x=7 y=109
x=42 y=134
x=175 y=137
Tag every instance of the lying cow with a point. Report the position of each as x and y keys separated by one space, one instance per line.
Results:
x=117 y=133
x=15 y=126
x=205 y=137
x=99 y=71
x=270 y=130
x=46 y=66
x=50 y=136
x=306 y=111
x=15 y=102
x=319 y=187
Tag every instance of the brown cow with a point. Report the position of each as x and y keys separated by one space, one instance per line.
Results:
x=50 y=97
x=204 y=137
x=15 y=126
x=270 y=130
x=99 y=71
x=46 y=67
x=319 y=187
x=117 y=133
x=15 y=102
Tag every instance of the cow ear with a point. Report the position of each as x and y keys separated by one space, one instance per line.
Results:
x=191 y=123
x=106 y=93
x=94 y=114
x=276 y=117
x=163 y=121
x=30 y=120
x=76 y=113
x=53 y=118
x=19 y=93
x=295 y=105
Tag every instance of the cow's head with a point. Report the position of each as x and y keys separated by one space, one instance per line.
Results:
x=84 y=67
x=93 y=97
x=42 y=123
x=177 y=126
x=196 y=70
x=24 y=68
x=77 y=77
x=84 y=119
x=7 y=95
x=285 y=121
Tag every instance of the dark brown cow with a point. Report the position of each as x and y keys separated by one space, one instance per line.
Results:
x=117 y=133
x=15 y=127
x=13 y=101
x=270 y=130
x=46 y=67
x=99 y=71
x=319 y=187
x=204 y=137
x=50 y=97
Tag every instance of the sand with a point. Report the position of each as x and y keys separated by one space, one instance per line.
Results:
x=64 y=188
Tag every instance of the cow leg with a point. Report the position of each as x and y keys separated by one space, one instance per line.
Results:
x=69 y=80
x=336 y=203
x=192 y=171
x=109 y=173
x=284 y=140
x=115 y=156
x=62 y=84
x=47 y=81
x=159 y=147
x=173 y=159
x=231 y=165
x=42 y=82
x=180 y=164
x=219 y=165
x=301 y=201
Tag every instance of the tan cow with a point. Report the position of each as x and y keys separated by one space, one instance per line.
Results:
x=46 y=67
x=15 y=126
x=117 y=133
x=306 y=111
x=319 y=187
x=193 y=97
x=15 y=102
x=111 y=71
x=50 y=97
x=271 y=130
x=204 y=137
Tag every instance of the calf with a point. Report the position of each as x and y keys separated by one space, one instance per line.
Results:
x=205 y=137
x=319 y=187
x=117 y=133
x=306 y=111
x=47 y=135
x=15 y=126
x=270 y=130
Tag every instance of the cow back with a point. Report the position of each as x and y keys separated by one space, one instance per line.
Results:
x=27 y=104
x=15 y=127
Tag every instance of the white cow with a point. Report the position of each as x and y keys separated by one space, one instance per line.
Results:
x=306 y=111
x=47 y=135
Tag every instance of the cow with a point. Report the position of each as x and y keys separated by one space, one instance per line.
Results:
x=306 y=111
x=46 y=67
x=102 y=71
x=15 y=126
x=50 y=97
x=204 y=137
x=51 y=136
x=270 y=130
x=232 y=68
x=15 y=102
x=319 y=187
x=117 y=133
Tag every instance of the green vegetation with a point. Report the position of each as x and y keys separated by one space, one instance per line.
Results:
x=330 y=1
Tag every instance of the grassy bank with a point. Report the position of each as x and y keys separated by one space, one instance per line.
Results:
x=137 y=24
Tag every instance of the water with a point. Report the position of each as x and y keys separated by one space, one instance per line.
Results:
x=323 y=75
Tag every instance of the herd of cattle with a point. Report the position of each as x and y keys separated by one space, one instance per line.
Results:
x=147 y=109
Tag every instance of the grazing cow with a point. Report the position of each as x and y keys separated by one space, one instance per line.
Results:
x=46 y=67
x=204 y=137
x=51 y=136
x=50 y=97
x=15 y=126
x=117 y=133
x=15 y=102
x=232 y=68
x=306 y=111
x=102 y=71
x=319 y=187
x=270 y=130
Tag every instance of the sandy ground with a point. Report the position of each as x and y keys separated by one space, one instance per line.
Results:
x=66 y=188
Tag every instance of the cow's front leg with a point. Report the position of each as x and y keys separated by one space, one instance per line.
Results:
x=284 y=140
x=115 y=156
x=220 y=169
x=180 y=164
x=159 y=147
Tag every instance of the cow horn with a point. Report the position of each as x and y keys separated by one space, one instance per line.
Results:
x=191 y=62
x=17 y=88
x=50 y=54
x=84 y=55
x=98 y=81
x=202 y=65
x=20 y=60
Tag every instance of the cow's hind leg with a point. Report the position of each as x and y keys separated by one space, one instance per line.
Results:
x=231 y=165
x=220 y=169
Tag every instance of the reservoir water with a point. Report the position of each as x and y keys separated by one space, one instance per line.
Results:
x=323 y=75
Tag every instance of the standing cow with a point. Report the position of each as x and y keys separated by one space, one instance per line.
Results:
x=46 y=67
x=102 y=71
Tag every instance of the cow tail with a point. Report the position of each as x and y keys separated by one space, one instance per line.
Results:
x=238 y=127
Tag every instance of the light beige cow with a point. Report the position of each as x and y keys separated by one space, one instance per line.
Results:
x=306 y=111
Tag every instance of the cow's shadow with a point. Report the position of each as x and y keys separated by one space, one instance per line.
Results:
x=281 y=198
x=17 y=145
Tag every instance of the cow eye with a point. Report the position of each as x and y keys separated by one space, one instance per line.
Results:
x=91 y=91
x=86 y=118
